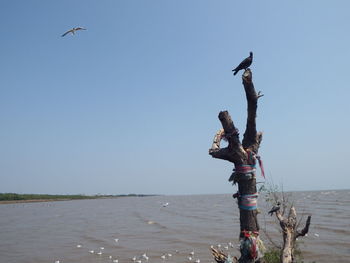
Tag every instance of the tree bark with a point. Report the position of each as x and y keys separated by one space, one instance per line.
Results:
x=290 y=233
x=243 y=155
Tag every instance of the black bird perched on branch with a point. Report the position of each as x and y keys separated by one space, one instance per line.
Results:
x=275 y=208
x=244 y=64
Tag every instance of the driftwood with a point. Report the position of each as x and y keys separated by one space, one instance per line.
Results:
x=290 y=233
x=239 y=154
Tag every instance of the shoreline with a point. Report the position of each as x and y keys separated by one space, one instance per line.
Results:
x=4 y=202
x=37 y=200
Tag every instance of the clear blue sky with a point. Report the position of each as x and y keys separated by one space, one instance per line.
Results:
x=130 y=105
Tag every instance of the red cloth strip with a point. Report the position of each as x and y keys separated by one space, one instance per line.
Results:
x=261 y=166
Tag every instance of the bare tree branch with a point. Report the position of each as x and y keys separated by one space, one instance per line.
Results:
x=305 y=230
x=234 y=152
x=250 y=138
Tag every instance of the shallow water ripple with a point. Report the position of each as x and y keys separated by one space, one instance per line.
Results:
x=135 y=229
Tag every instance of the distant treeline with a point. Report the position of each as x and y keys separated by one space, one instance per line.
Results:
x=15 y=197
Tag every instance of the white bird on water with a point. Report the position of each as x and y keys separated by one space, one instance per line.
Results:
x=165 y=204
x=115 y=260
x=92 y=252
x=145 y=256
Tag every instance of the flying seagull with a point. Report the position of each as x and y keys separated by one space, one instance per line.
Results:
x=73 y=30
x=244 y=64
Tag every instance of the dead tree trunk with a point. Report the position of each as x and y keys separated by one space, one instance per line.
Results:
x=244 y=156
x=290 y=233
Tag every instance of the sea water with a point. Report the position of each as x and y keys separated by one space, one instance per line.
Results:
x=134 y=229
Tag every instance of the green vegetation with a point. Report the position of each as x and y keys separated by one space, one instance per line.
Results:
x=24 y=197
x=272 y=255
x=17 y=197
